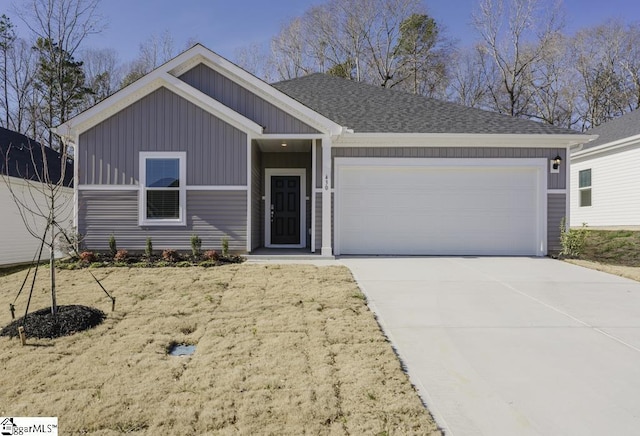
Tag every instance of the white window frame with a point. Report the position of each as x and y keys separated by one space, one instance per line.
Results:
x=182 y=189
x=585 y=188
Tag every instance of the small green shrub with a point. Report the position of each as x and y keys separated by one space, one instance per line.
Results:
x=96 y=265
x=196 y=245
x=162 y=263
x=148 y=248
x=184 y=264
x=225 y=246
x=572 y=240
x=113 y=249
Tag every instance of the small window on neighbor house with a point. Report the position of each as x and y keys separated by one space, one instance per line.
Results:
x=163 y=195
x=584 y=186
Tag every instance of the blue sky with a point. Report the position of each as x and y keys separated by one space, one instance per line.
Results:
x=226 y=25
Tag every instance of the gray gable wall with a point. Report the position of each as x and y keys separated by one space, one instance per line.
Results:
x=372 y=109
x=239 y=99
x=163 y=121
x=616 y=129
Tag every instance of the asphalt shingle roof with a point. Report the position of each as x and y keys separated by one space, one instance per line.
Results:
x=372 y=109
x=16 y=158
x=613 y=130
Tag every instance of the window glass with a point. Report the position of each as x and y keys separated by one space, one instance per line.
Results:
x=163 y=204
x=584 y=184
x=585 y=197
x=585 y=178
x=163 y=196
x=163 y=173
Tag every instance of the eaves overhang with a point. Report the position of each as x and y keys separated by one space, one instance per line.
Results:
x=608 y=147
x=461 y=140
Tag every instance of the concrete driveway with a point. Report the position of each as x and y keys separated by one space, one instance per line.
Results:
x=512 y=346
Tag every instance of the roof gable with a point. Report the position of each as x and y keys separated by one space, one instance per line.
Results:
x=167 y=75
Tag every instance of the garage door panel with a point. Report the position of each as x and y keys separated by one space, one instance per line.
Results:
x=438 y=210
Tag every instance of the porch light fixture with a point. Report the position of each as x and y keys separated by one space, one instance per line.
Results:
x=556 y=162
x=284 y=144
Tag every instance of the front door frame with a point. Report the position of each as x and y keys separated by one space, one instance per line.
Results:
x=302 y=173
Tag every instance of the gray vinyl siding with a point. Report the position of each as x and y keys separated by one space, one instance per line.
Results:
x=211 y=215
x=556 y=210
x=257 y=204
x=554 y=181
x=163 y=121
x=243 y=101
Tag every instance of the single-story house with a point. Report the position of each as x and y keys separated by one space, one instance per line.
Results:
x=200 y=146
x=21 y=167
x=605 y=175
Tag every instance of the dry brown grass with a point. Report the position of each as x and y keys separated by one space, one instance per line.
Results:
x=288 y=349
x=630 y=272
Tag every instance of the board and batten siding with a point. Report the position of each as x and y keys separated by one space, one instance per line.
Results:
x=212 y=215
x=615 y=189
x=554 y=181
x=163 y=121
x=241 y=100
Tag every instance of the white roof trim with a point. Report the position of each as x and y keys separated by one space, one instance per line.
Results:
x=460 y=140
x=180 y=64
x=609 y=146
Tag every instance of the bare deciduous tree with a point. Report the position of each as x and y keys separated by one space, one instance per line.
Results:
x=102 y=74
x=515 y=36
x=42 y=196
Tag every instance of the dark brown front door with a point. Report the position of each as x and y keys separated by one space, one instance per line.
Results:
x=285 y=210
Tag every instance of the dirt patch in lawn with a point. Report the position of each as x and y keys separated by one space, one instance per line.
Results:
x=289 y=349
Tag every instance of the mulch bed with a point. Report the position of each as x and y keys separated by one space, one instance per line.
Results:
x=69 y=320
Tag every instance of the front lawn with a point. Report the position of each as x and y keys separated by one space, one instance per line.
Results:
x=289 y=349
x=612 y=251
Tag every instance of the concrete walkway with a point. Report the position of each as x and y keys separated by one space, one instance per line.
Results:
x=512 y=346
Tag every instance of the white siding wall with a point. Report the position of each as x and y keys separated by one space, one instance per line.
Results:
x=18 y=245
x=615 y=190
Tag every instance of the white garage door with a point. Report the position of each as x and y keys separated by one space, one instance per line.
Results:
x=440 y=206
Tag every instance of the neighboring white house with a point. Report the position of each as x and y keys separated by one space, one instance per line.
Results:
x=605 y=176
x=20 y=164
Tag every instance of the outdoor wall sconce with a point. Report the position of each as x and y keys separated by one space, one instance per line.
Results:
x=554 y=164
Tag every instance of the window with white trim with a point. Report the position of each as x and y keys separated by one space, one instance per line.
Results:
x=162 y=188
x=584 y=186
